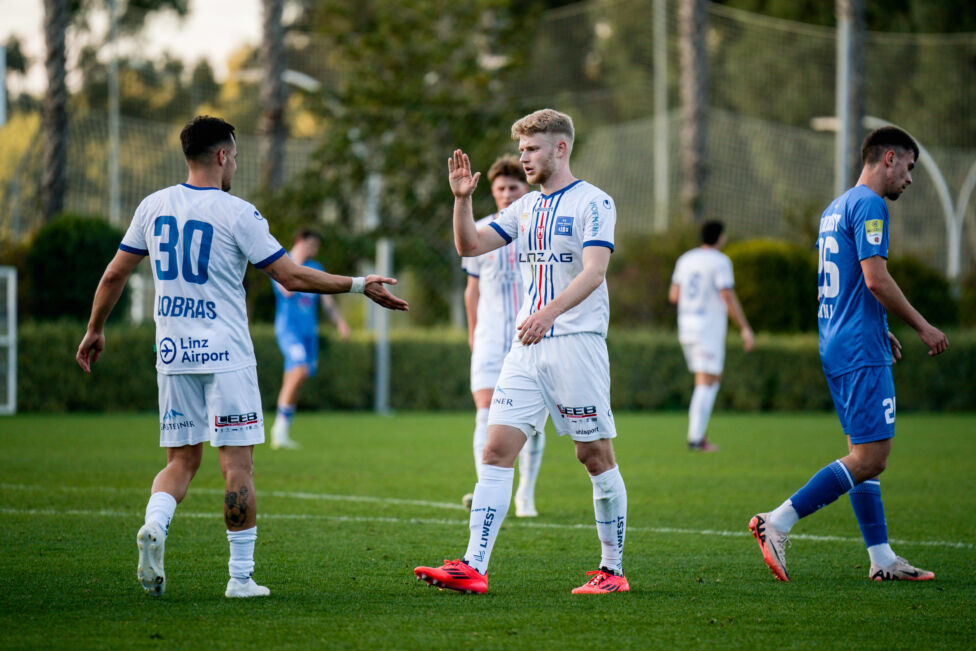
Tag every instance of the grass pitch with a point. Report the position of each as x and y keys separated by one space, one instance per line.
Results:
x=343 y=521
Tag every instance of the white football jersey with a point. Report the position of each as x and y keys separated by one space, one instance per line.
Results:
x=500 y=288
x=199 y=241
x=701 y=273
x=552 y=231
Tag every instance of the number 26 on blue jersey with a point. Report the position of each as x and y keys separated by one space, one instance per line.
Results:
x=169 y=265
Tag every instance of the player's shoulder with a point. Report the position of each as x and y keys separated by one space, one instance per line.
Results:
x=589 y=192
x=484 y=221
x=862 y=197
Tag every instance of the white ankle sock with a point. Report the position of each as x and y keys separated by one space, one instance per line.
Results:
x=700 y=411
x=784 y=516
x=882 y=554
x=610 y=508
x=492 y=494
x=160 y=509
x=241 y=564
x=530 y=460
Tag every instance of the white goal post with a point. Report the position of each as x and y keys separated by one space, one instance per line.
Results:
x=8 y=340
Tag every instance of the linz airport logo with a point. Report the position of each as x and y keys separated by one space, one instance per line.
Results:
x=167 y=350
x=236 y=420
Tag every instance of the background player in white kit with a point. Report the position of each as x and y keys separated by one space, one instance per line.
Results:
x=200 y=239
x=702 y=288
x=492 y=299
x=559 y=363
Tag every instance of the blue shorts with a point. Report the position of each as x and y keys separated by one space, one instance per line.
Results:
x=299 y=350
x=865 y=403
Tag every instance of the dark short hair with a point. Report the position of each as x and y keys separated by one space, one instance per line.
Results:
x=506 y=166
x=881 y=140
x=711 y=231
x=203 y=135
x=307 y=233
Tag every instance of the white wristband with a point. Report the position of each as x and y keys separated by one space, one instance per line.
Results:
x=358 y=285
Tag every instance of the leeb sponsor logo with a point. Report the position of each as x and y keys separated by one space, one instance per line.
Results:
x=236 y=420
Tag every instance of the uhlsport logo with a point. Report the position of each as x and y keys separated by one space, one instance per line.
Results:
x=167 y=350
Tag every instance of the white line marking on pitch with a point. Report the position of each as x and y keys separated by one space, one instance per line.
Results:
x=457 y=523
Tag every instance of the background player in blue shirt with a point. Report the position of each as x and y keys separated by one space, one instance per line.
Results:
x=857 y=352
x=297 y=332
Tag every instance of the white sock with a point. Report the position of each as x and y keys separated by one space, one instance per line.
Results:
x=784 y=516
x=241 y=564
x=530 y=460
x=700 y=411
x=492 y=494
x=480 y=437
x=610 y=507
x=160 y=510
x=882 y=554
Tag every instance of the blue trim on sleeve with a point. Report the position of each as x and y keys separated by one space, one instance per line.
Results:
x=498 y=229
x=471 y=274
x=193 y=187
x=609 y=245
x=133 y=250
x=271 y=258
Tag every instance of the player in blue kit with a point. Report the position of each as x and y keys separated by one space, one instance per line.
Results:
x=200 y=239
x=857 y=351
x=297 y=332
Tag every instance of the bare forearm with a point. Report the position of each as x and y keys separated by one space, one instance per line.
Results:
x=306 y=279
x=106 y=296
x=735 y=310
x=471 y=309
x=890 y=296
x=582 y=286
x=465 y=232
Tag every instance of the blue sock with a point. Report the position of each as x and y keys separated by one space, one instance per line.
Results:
x=869 y=511
x=286 y=412
x=832 y=481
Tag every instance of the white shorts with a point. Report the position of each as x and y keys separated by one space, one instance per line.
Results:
x=486 y=366
x=705 y=356
x=566 y=376
x=223 y=408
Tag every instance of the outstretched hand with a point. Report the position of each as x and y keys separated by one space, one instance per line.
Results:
x=462 y=181
x=377 y=293
x=89 y=350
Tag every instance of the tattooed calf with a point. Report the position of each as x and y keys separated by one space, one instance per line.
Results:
x=235 y=507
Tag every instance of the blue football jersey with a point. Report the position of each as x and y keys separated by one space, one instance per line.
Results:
x=853 y=325
x=298 y=313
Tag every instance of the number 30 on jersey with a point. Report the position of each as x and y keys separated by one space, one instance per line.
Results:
x=168 y=266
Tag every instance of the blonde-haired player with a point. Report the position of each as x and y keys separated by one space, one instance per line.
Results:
x=558 y=363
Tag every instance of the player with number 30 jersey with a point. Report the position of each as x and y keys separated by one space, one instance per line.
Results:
x=200 y=313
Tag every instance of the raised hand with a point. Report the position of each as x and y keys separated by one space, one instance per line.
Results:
x=459 y=175
x=377 y=293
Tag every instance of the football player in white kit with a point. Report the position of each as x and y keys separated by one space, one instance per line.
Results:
x=491 y=299
x=199 y=239
x=702 y=287
x=558 y=362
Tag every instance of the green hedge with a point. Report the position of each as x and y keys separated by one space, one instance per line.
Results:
x=430 y=371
